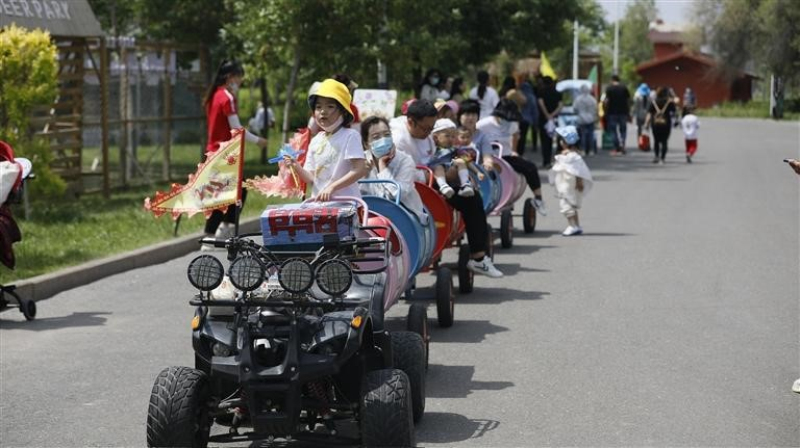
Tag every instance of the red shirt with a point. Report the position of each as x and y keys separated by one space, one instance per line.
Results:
x=222 y=105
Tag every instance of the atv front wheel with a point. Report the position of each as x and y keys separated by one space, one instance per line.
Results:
x=178 y=411
x=386 y=415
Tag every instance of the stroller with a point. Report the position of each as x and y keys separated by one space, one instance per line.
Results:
x=13 y=173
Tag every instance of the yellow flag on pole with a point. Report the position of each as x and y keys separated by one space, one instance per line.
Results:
x=216 y=185
x=546 y=69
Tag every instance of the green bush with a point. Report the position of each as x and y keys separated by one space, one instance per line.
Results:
x=28 y=78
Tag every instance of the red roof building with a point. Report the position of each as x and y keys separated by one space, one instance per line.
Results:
x=676 y=67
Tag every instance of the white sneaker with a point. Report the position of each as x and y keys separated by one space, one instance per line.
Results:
x=570 y=231
x=207 y=247
x=466 y=191
x=580 y=230
x=447 y=191
x=796 y=386
x=538 y=204
x=484 y=267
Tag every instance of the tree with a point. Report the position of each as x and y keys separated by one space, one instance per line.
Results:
x=28 y=78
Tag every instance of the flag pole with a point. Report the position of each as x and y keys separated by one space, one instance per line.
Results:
x=237 y=207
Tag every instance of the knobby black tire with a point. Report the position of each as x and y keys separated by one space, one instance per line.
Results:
x=178 y=411
x=408 y=351
x=506 y=229
x=417 y=322
x=386 y=414
x=466 y=278
x=529 y=216
x=445 y=299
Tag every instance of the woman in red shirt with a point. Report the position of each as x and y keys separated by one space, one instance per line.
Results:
x=222 y=112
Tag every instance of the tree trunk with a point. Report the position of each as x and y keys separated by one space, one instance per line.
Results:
x=265 y=124
x=287 y=109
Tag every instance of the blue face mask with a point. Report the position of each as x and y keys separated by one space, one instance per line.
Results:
x=382 y=147
x=434 y=80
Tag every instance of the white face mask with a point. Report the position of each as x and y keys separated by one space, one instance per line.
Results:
x=333 y=126
x=233 y=87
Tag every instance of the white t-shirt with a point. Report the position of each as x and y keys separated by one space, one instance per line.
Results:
x=690 y=124
x=489 y=101
x=329 y=159
x=420 y=149
x=498 y=130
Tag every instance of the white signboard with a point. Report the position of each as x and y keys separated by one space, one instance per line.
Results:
x=375 y=102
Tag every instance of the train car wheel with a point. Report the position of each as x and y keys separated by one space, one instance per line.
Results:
x=506 y=229
x=466 y=277
x=445 y=298
x=529 y=216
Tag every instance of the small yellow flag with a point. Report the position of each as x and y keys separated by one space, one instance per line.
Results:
x=546 y=69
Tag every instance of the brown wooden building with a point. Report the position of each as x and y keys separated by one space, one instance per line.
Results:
x=675 y=66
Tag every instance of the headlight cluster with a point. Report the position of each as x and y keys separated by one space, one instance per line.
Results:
x=295 y=275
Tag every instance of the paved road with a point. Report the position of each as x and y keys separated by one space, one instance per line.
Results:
x=673 y=321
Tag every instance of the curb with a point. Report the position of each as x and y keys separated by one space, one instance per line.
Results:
x=47 y=285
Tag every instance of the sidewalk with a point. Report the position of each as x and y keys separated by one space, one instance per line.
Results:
x=45 y=286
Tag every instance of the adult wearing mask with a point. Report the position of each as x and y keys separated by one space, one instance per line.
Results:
x=549 y=106
x=412 y=135
x=586 y=108
x=429 y=90
x=485 y=94
x=386 y=163
x=222 y=117
x=617 y=110
x=530 y=116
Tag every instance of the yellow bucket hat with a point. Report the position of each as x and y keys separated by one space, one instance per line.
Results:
x=333 y=89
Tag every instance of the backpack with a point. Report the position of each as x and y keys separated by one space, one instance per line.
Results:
x=660 y=118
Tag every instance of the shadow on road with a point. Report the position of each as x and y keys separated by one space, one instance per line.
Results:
x=509 y=269
x=446 y=427
x=457 y=382
x=490 y=296
x=89 y=319
x=465 y=331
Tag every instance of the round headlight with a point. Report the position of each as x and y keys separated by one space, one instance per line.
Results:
x=246 y=273
x=295 y=275
x=334 y=277
x=205 y=272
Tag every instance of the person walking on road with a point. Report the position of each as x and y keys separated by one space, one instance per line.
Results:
x=222 y=117
x=586 y=108
x=641 y=103
x=617 y=110
x=659 y=118
x=549 y=106
x=690 y=124
x=530 y=116
x=571 y=178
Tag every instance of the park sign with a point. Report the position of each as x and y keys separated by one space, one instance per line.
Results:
x=62 y=18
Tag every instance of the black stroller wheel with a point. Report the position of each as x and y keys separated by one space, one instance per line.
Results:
x=28 y=308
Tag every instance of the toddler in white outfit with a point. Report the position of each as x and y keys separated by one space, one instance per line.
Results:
x=571 y=178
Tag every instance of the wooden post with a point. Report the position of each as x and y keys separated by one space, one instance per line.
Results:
x=123 y=115
x=165 y=172
x=104 y=116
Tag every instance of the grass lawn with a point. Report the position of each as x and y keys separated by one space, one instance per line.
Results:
x=751 y=109
x=68 y=232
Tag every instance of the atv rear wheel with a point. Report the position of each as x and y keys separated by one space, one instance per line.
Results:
x=417 y=322
x=386 y=414
x=408 y=352
x=178 y=411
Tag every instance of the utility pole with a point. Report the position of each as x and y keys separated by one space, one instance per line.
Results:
x=575 y=51
x=616 y=41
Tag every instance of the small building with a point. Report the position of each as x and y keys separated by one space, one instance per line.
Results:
x=675 y=66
